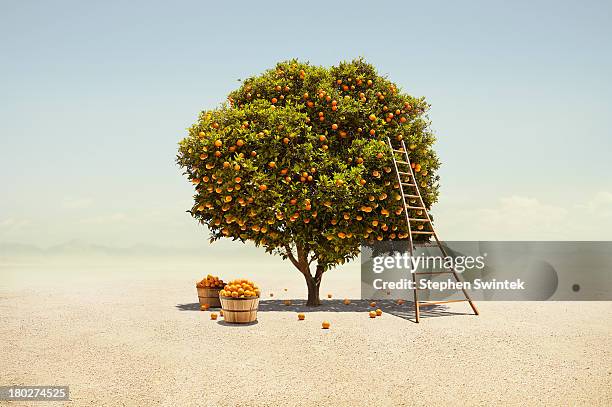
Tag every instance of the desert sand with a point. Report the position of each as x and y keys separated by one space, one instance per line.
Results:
x=120 y=338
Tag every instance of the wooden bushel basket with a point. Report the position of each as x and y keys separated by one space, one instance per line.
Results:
x=239 y=310
x=209 y=296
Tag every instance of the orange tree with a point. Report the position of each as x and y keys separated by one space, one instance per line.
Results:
x=297 y=162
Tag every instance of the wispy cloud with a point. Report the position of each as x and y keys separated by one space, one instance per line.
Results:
x=525 y=218
x=600 y=204
x=14 y=223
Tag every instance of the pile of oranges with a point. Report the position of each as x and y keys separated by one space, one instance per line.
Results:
x=210 y=281
x=240 y=288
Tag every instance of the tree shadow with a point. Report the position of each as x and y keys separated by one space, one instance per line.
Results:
x=404 y=311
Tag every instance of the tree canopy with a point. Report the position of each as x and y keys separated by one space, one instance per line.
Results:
x=297 y=162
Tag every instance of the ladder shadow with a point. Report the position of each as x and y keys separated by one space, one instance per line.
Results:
x=404 y=311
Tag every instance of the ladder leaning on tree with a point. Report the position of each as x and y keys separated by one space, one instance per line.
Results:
x=413 y=201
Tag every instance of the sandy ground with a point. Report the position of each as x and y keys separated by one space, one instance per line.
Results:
x=129 y=341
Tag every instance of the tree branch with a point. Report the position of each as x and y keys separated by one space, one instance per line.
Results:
x=319 y=274
x=292 y=257
x=313 y=258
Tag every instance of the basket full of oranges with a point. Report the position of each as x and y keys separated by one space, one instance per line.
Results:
x=239 y=301
x=208 y=291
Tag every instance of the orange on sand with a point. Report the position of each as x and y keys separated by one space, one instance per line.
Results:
x=378 y=312
x=287 y=302
x=372 y=314
x=325 y=325
x=213 y=316
x=400 y=302
x=301 y=317
x=329 y=295
x=221 y=313
x=346 y=301
x=372 y=304
x=204 y=307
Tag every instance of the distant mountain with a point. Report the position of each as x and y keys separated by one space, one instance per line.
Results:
x=81 y=248
x=18 y=249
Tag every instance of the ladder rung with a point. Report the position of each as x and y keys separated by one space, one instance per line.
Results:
x=404 y=173
x=425 y=304
x=408 y=184
x=432 y=272
x=419 y=220
x=402 y=162
x=415 y=207
x=399 y=151
x=420 y=232
x=411 y=196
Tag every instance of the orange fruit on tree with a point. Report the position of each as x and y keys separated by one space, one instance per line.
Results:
x=263 y=188
x=218 y=143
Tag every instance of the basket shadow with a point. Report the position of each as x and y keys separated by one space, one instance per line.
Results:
x=404 y=311
x=237 y=325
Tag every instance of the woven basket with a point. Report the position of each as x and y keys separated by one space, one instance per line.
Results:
x=239 y=310
x=209 y=296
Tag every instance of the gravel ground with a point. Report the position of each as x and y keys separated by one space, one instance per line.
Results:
x=120 y=342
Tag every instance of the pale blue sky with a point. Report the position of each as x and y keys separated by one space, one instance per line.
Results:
x=96 y=96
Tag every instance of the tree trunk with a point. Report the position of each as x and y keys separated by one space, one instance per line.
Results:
x=313 y=291
x=312 y=282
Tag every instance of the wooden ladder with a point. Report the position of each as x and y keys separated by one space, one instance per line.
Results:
x=422 y=224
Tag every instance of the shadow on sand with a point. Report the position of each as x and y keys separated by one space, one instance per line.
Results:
x=404 y=311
